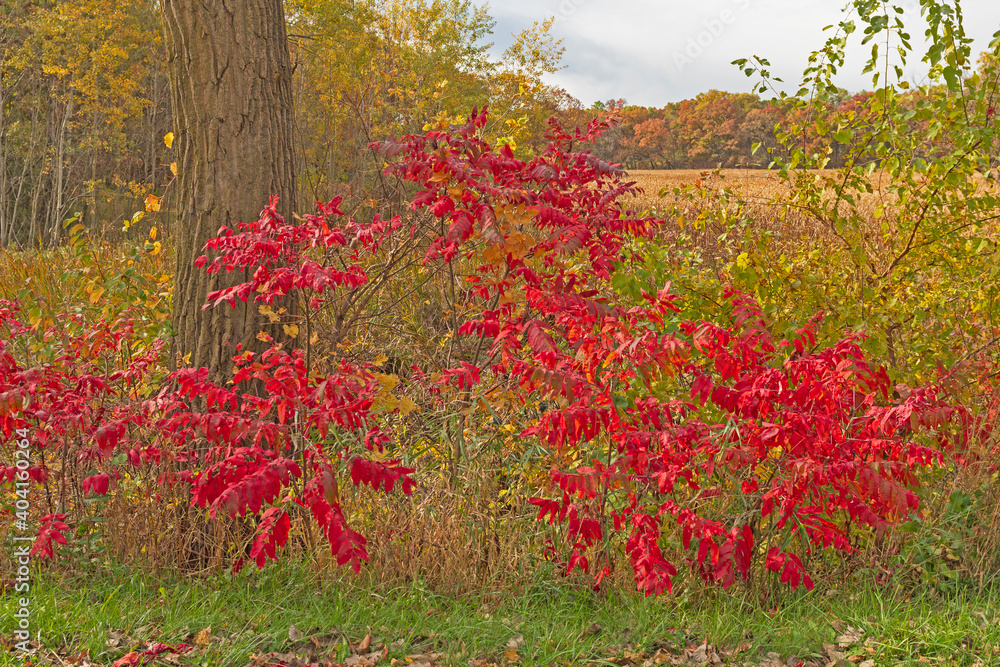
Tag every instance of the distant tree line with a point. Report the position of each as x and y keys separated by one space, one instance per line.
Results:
x=85 y=105
x=721 y=129
x=85 y=102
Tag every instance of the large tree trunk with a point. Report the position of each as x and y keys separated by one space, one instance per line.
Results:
x=231 y=88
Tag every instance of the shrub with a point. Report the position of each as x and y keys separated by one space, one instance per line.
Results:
x=655 y=415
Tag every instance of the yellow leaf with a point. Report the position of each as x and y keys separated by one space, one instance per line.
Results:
x=291 y=330
x=156 y=248
x=139 y=215
x=387 y=402
x=388 y=382
x=380 y=360
x=95 y=296
x=271 y=315
x=314 y=338
x=173 y=168
x=152 y=233
x=406 y=406
x=168 y=139
x=264 y=336
x=152 y=203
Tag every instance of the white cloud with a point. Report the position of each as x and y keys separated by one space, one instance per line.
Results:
x=653 y=52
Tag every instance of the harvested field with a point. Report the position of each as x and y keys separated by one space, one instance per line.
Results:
x=762 y=196
x=749 y=182
x=753 y=185
x=758 y=191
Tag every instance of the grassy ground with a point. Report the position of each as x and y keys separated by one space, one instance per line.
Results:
x=286 y=611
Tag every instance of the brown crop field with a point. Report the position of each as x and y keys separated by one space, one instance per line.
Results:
x=759 y=197
x=749 y=182
x=755 y=195
x=754 y=186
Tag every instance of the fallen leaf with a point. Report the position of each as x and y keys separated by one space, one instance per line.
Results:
x=833 y=651
x=368 y=660
x=127 y=660
x=406 y=406
x=202 y=638
x=283 y=659
x=515 y=642
x=590 y=630
x=661 y=657
x=365 y=643
x=850 y=636
x=326 y=641
x=423 y=657
x=699 y=655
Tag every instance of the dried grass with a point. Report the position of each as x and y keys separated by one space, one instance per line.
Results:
x=458 y=539
x=759 y=192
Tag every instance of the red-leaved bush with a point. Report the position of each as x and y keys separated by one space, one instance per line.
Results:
x=72 y=414
x=803 y=441
x=756 y=450
x=256 y=444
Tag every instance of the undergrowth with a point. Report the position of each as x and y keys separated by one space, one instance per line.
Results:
x=106 y=613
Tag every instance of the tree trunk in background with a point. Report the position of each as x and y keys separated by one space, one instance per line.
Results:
x=58 y=206
x=5 y=224
x=231 y=88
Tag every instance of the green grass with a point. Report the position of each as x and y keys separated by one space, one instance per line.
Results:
x=252 y=613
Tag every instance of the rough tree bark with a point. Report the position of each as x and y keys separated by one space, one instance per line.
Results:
x=231 y=91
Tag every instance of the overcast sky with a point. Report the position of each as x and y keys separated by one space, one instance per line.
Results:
x=651 y=52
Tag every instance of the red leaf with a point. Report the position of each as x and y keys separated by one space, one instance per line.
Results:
x=272 y=532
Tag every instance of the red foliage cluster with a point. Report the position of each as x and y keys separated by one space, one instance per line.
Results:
x=74 y=408
x=242 y=451
x=248 y=466
x=804 y=440
x=808 y=438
